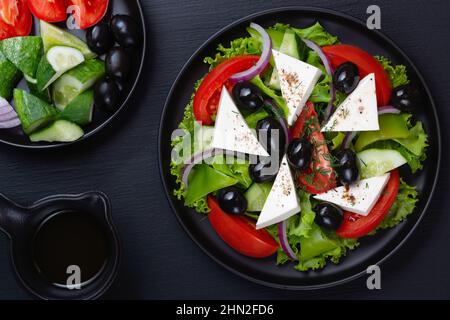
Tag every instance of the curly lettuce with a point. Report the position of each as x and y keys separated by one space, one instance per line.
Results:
x=397 y=73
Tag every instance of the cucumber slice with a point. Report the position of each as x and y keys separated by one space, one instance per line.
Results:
x=54 y=36
x=9 y=76
x=80 y=109
x=59 y=131
x=32 y=111
x=57 y=61
x=376 y=162
x=76 y=81
x=256 y=196
x=289 y=46
x=24 y=52
x=43 y=95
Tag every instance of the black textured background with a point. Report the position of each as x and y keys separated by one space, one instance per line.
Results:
x=159 y=260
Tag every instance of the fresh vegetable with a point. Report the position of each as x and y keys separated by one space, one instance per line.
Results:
x=397 y=73
x=33 y=112
x=376 y=162
x=8 y=116
x=15 y=19
x=54 y=36
x=346 y=77
x=247 y=96
x=355 y=226
x=366 y=63
x=9 y=76
x=118 y=64
x=48 y=10
x=125 y=30
x=76 y=81
x=320 y=177
x=34 y=90
x=240 y=233
x=256 y=196
x=24 y=52
x=299 y=153
x=392 y=126
x=231 y=200
x=89 y=12
x=388 y=109
x=328 y=216
x=100 y=38
x=284 y=241
x=57 y=61
x=59 y=131
x=107 y=94
x=80 y=109
x=238 y=169
x=207 y=97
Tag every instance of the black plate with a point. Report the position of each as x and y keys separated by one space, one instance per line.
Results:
x=17 y=138
x=373 y=250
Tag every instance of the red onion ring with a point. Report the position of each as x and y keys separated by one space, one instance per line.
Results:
x=327 y=64
x=263 y=60
x=282 y=235
x=349 y=136
x=387 y=110
x=8 y=116
x=279 y=114
x=10 y=124
x=200 y=157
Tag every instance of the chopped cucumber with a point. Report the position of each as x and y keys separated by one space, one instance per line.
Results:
x=76 y=81
x=9 y=76
x=80 y=109
x=32 y=111
x=59 y=131
x=376 y=162
x=57 y=61
x=54 y=36
x=43 y=95
x=24 y=52
x=256 y=196
x=289 y=46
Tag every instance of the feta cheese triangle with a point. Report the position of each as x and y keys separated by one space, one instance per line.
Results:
x=359 y=197
x=282 y=201
x=359 y=111
x=231 y=132
x=297 y=81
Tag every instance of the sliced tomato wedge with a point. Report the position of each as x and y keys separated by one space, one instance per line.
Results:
x=15 y=19
x=356 y=226
x=366 y=63
x=48 y=10
x=89 y=12
x=240 y=233
x=320 y=177
x=207 y=97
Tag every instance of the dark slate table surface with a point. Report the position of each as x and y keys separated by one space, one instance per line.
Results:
x=159 y=260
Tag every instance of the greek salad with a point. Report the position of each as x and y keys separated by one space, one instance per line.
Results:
x=65 y=76
x=292 y=144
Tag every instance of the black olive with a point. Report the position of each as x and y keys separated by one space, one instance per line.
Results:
x=346 y=166
x=118 y=64
x=107 y=94
x=299 y=153
x=328 y=216
x=271 y=135
x=346 y=77
x=248 y=96
x=232 y=200
x=406 y=98
x=100 y=38
x=125 y=30
x=263 y=170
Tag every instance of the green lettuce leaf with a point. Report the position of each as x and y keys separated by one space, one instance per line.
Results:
x=241 y=46
x=398 y=74
x=236 y=170
x=271 y=93
x=315 y=33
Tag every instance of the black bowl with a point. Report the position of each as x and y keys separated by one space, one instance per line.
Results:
x=17 y=138
x=372 y=250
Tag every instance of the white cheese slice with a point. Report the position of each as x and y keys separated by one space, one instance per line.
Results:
x=359 y=197
x=359 y=111
x=297 y=81
x=282 y=201
x=231 y=132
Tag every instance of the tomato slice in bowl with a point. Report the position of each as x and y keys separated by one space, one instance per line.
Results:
x=88 y=12
x=15 y=19
x=207 y=97
x=48 y=10
x=240 y=233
